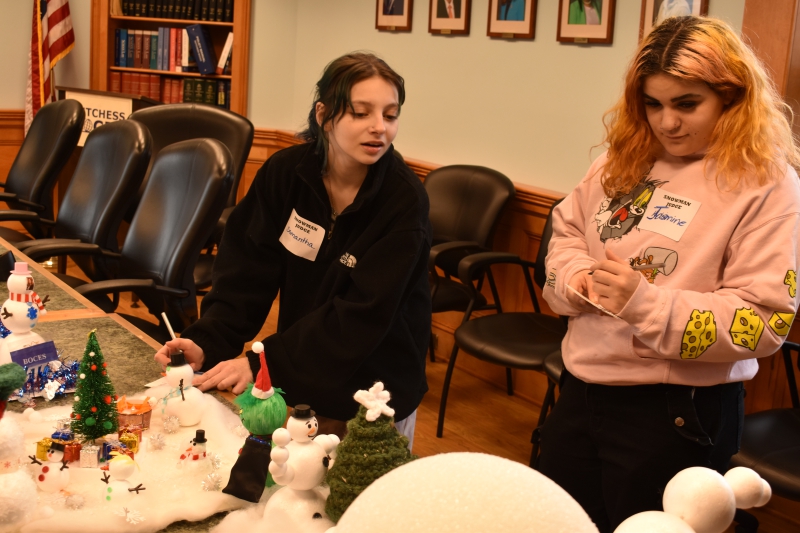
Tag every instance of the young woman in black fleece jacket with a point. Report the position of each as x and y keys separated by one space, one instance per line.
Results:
x=339 y=228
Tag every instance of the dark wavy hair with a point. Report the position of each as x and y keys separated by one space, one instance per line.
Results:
x=333 y=91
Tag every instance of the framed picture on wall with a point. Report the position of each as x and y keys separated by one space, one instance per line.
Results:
x=393 y=15
x=585 y=21
x=512 y=19
x=654 y=11
x=446 y=17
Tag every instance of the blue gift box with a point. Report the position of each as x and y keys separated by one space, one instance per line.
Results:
x=63 y=434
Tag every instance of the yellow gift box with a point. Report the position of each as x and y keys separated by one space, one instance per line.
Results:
x=42 y=447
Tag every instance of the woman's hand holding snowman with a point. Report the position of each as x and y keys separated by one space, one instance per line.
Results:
x=232 y=375
x=614 y=282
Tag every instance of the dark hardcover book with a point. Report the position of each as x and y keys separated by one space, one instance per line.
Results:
x=159 y=6
x=123 y=47
x=220 y=10
x=198 y=87
x=228 y=16
x=204 y=10
x=115 y=82
x=212 y=10
x=126 y=82
x=188 y=90
x=153 y=50
x=181 y=9
x=202 y=48
x=126 y=8
x=170 y=5
x=138 y=54
x=209 y=92
x=131 y=49
x=155 y=86
x=145 y=49
x=177 y=92
x=227 y=94
x=137 y=8
x=135 y=78
x=189 y=9
x=116 y=47
x=221 y=96
x=151 y=8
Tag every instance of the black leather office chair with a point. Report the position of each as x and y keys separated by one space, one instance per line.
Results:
x=109 y=172
x=51 y=139
x=771 y=443
x=178 y=122
x=465 y=204
x=189 y=183
x=521 y=340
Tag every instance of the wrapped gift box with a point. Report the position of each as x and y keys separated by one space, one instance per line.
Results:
x=134 y=412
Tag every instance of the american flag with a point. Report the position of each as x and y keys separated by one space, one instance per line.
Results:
x=52 y=39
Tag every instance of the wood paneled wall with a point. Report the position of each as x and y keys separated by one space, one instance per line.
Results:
x=519 y=231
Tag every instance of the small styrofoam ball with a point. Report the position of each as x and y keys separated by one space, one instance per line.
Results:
x=12 y=440
x=279 y=455
x=654 y=522
x=747 y=486
x=702 y=498
x=257 y=347
x=281 y=437
x=17 y=498
x=464 y=492
x=766 y=494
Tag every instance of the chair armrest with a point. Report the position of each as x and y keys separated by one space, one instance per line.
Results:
x=25 y=245
x=18 y=214
x=6 y=196
x=121 y=285
x=64 y=247
x=470 y=265
x=444 y=248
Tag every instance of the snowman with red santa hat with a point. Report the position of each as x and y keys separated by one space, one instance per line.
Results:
x=20 y=312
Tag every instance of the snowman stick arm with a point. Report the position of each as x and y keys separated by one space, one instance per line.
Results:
x=137 y=488
x=63 y=465
x=105 y=478
x=34 y=460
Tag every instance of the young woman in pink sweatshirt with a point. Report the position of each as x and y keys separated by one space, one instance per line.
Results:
x=685 y=232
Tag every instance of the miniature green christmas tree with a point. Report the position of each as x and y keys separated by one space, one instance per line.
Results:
x=94 y=412
x=371 y=448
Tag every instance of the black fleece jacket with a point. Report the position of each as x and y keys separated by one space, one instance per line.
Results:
x=346 y=321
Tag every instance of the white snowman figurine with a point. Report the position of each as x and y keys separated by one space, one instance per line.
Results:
x=183 y=400
x=20 y=312
x=118 y=489
x=53 y=475
x=300 y=463
x=195 y=454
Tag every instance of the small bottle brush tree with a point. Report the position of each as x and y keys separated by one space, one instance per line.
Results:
x=371 y=448
x=94 y=412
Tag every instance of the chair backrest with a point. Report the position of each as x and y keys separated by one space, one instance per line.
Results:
x=788 y=348
x=50 y=141
x=539 y=274
x=466 y=202
x=109 y=172
x=181 y=204
x=172 y=123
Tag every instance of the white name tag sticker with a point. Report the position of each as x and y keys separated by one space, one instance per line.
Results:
x=301 y=237
x=669 y=214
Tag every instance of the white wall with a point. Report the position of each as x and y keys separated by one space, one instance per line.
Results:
x=530 y=109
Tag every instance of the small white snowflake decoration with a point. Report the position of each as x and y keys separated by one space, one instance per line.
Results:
x=132 y=516
x=375 y=400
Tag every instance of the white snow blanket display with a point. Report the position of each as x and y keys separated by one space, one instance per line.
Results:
x=174 y=489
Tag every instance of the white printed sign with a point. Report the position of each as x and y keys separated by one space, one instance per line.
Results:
x=301 y=237
x=99 y=110
x=669 y=214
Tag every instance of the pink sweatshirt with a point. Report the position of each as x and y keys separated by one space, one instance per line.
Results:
x=718 y=297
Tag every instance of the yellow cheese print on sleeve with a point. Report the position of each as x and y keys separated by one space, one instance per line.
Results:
x=791 y=281
x=780 y=323
x=746 y=328
x=699 y=335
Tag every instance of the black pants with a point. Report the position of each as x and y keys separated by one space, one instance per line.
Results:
x=614 y=448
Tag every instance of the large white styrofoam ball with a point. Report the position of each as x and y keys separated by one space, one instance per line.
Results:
x=702 y=498
x=766 y=494
x=11 y=440
x=747 y=485
x=654 y=522
x=464 y=492
x=17 y=499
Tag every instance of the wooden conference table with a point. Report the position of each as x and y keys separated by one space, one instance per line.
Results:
x=127 y=350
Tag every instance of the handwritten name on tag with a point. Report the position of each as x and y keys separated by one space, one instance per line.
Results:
x=36 y=355
x=302 y=237
x=669 y=214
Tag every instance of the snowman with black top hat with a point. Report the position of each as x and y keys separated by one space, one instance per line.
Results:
x=183 y=400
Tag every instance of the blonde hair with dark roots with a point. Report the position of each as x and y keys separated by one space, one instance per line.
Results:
x=752 y=140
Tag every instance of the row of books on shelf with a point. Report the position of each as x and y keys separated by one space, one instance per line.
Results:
x=174 y=49
x=210 y=10
x=172 y=90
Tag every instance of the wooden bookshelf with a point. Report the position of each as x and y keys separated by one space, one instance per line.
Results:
x=102 y=47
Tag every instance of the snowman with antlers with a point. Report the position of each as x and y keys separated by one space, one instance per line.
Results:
x=20 y=312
